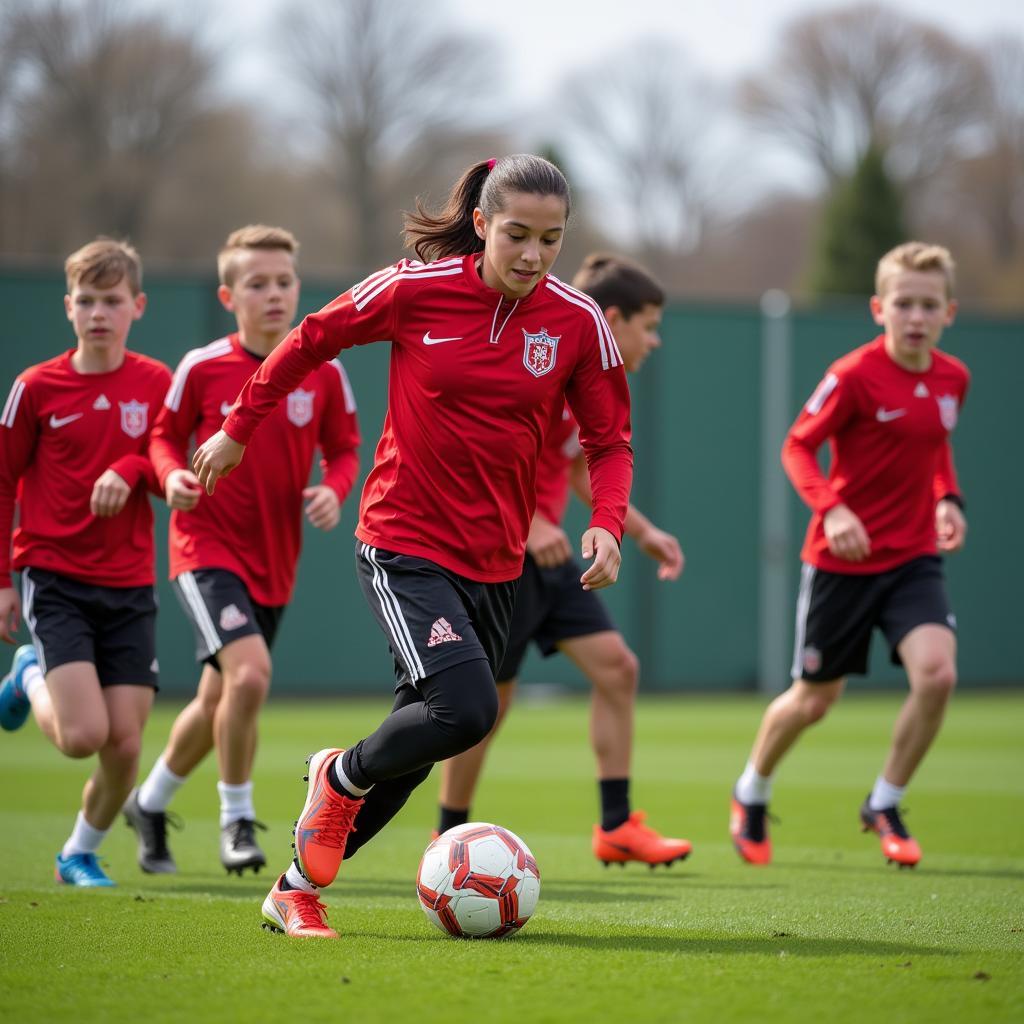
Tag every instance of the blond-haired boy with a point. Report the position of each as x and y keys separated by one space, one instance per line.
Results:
x=74 y=433
x=890 y=504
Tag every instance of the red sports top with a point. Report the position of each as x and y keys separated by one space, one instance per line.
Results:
x=61 y=430
x=476 y=380
x=252 y=525
x=888 y=430
x=561 y=446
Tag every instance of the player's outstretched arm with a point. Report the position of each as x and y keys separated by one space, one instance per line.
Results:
x=598 y=544
x=217 y=456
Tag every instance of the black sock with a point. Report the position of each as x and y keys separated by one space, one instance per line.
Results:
x=614 y=803
x=450 y=818
x=332 y=778
x=285 y=887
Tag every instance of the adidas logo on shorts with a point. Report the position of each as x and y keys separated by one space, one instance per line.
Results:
x=232 y=618
x=441 y=633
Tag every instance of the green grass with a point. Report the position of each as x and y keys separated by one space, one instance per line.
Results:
x=828 y=931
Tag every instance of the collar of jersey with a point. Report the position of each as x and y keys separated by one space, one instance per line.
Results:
x=492 y=295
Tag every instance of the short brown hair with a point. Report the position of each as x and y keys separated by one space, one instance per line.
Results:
x=104 y=263
x=918 y=256
x=613 y=281
x=252 y=236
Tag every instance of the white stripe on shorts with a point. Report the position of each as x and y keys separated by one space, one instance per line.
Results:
x=803 y=604
x=190 y=589
x=28 y=596
x=392 y=612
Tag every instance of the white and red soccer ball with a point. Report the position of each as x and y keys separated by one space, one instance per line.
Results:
x=478 y=881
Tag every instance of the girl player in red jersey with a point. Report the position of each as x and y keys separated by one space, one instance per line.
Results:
x=73 y=439
x=890 y=504
x=487 y=347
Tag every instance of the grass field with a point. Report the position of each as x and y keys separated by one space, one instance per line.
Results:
x=828 y=931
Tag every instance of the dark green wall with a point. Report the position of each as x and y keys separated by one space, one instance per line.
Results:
x=696 y=421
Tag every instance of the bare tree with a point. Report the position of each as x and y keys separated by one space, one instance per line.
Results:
x=392 y=91
x=844 y=80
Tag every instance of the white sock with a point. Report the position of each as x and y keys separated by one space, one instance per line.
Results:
x=346 y=783
x=885 y=795
x=84 y=838
x=160 y=786
x=235 y=802
x=753 y=788
x=297 y=880
x=31 y=679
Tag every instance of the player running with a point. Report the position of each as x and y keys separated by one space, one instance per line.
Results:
x=890 y=503
x=486 y=349
x=557 y=615
x=233 y=557
x=73 y=438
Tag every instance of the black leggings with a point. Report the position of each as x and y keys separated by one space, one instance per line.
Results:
x=449 y=712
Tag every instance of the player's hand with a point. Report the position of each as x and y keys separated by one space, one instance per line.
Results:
x=845 y=533
x=323 y=509
x=216 y=457
x=601 y=546
x=665 y=550
x=109 y=494
x=950 y=526
x=548 y=544
x=182 y=490
x=10 y=614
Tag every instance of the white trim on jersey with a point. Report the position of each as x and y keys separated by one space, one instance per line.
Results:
x=11 y=406
x=214 y=350
x=28 y=596
x=610 y=355
x=392 y=611
x=803 y=604
x=366 y=291
x=346 y=387
x=494 y=319
x=200 y=613
x=817 y=401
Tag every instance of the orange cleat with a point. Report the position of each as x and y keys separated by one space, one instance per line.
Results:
x=296 y=913
x=749 y=830
x=898 y=845
x=633 y=840
x=325 y=823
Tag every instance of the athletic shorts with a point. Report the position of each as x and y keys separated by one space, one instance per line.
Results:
x=220 y=609
x=114 y=628
x=551 y=606
x=836 y=613
x=432 y=617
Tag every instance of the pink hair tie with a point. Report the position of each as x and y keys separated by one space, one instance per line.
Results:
x=491 y=163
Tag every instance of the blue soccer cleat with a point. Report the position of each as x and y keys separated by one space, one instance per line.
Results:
x=82 y=869
x=14 y=702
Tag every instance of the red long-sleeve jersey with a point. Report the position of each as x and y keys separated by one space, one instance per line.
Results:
x=59 y=431
x=888 y=430
x=252 y=525
x=561 y=447
x=476 y=380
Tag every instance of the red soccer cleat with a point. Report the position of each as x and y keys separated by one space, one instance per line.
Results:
x=296 y=913
x=749 y=830
x=898 y=845
x=633 y=840
x=325 y=823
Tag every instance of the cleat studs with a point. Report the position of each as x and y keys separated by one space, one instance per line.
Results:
x=305 y=778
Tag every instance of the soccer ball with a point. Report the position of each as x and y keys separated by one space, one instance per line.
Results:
x=478 y=881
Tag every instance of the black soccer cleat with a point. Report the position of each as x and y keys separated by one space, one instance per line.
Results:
x=154 y=856
x=238 y=847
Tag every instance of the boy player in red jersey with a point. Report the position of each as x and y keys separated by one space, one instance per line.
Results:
x=556 y=614
x=233 y=556
x=890 y=504
x=73 y=438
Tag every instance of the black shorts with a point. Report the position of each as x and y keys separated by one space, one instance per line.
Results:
x=114 y=628
x=551 y=606
x=433 y=618
x=220 y=609
x=836 y=613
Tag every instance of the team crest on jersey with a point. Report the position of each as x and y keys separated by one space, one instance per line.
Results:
x=539 y=352
x=300 y=407
x=948 y=408
x=134 y=417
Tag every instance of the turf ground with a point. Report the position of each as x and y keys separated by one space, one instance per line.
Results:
x=828 y=931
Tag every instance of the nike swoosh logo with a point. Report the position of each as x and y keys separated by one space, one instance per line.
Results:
x=884 y=415
x=56 y=424
x=428 y=340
